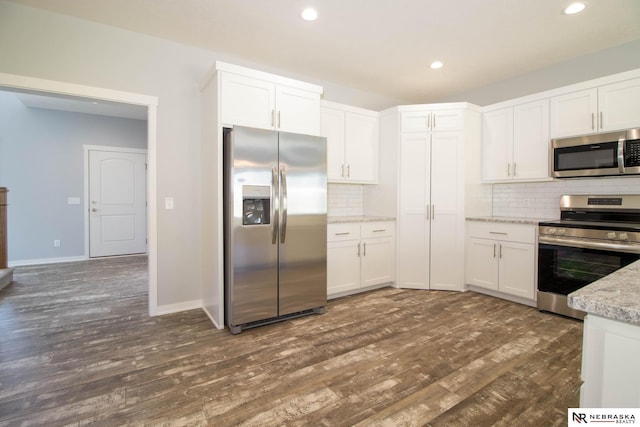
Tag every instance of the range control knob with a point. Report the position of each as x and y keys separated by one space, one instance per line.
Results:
x=550 y=230
x=611 y=235
x=623 y=236
x=562 y=231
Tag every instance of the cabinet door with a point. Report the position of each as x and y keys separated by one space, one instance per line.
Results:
x=619 y=105
x=413 y=237
x=377 y=261
x=446 y=120
x=531 y=140
x=361 y=149
x=482 y=263
x=333 y=128
x=574 y=113
x=247 y=101
x=415 y=121
x=298 y=110
x=497 y=144
x=517 y=269
x=343 y=266
x=446 y=226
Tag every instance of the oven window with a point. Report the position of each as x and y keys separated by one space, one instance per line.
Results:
x=563 y=270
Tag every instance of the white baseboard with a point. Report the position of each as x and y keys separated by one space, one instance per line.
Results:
x=178 y=307
x=25 y=262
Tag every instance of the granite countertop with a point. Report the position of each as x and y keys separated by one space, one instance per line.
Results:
x=357 y=218
x=508 y=220
x=616 y=296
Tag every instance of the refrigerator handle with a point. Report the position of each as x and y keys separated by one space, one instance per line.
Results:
x=274 y=205
x=283 y=183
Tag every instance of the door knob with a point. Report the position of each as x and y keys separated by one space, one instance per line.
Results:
x=94 y=210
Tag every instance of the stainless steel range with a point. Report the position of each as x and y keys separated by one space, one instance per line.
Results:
x=595 y=236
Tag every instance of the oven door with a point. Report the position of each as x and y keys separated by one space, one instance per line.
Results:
x=564 y=269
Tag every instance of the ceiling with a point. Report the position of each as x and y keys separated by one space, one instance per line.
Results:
x=380 y=46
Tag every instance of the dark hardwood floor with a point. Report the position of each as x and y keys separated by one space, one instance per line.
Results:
x=77 y=347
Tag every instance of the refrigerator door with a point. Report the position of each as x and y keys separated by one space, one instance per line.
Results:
x=303 y=222
x=251 y=220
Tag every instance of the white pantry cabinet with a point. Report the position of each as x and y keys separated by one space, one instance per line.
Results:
x=501 y=257
x=256 y=99
x=352 y=143
x=515 y=142
x=360 y=256
x=423 y=179
x=599 y=109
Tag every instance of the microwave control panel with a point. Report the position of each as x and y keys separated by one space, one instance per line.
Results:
x=632 y=153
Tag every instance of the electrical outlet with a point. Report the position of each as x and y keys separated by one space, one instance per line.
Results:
x=56 y=243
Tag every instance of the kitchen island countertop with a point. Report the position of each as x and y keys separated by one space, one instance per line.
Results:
x=357 y=218
x=616 y=296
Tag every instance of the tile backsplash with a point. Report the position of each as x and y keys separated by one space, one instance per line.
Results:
x=345 y=199
x=542 y=199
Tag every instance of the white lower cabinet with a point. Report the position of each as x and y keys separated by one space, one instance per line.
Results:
x=610 y=355
x=502 y=257
x=359 y=256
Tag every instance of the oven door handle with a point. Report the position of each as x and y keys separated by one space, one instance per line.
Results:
x=585 y=244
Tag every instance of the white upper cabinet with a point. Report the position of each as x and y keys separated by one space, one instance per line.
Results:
x=606 y=108
x=432 y=121
x=352 y=143
x=619 y=105
x=255 y=99
x=515 y=142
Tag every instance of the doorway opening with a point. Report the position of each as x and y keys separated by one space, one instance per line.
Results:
x=55 y=89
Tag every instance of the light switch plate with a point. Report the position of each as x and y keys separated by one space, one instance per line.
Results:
x=168 y=202
x=73 y=200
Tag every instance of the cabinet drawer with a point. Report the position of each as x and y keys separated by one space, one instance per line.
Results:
x=523 y=233
x=377 y=229
x=343 y=231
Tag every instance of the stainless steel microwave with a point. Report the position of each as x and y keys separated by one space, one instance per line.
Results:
x=603 y=154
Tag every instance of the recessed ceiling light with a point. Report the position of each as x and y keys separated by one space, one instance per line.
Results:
x=436 y=65
x=309 y=14
x=574 y=8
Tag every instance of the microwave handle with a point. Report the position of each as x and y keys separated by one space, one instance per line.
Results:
x=621 y=142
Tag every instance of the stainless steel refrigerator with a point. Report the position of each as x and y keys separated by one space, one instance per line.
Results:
x=275 y=222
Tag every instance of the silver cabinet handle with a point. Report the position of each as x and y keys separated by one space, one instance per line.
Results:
x=500 y=250
x=514 y=168
x=348 y=171
x=494 y=250
x=601 y=124
x=428 y=211
x=279 y=120
x=342 y=234
x=275 y=189
x=273 y=118
x=283 y=181
x=508 y=169
x=593 y=121
x=358 y=249
x=498 y=232
x=342 y=173
x=364 y=251
x=379 y=231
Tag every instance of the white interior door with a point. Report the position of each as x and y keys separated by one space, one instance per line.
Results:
x=117 y=203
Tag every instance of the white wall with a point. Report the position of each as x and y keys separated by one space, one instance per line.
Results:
x=41 y=44
x=41 y=162
x=614 y=60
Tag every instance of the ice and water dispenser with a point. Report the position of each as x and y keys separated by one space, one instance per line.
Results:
x=256 y=204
